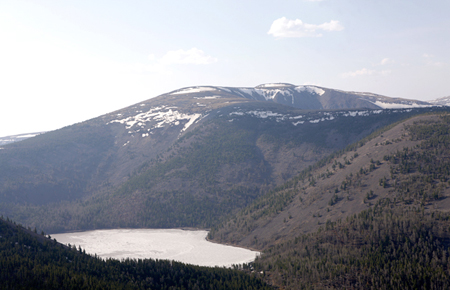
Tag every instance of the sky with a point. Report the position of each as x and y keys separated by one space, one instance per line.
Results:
x=63 y=62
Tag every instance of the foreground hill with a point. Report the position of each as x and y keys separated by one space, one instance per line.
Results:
x=32 y=261
x=384 y=165
x=186 y=158
x=375 y=215
x=384 y=247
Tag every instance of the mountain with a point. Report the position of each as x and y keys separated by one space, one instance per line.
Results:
x=17 y=138
x=444 y=101
x=187 y=158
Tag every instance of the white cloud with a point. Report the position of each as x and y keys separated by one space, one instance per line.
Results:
x=191 y=56
x=365 y=72
x=431 y=62
x=284 y=27
x=386 y=61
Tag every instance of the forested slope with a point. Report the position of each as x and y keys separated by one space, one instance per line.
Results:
x=376 y=215
x=386 y=247
x=29 y=260
x=224 y=163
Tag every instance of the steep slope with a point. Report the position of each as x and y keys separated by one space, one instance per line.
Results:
x=382 y=166
x=374 y=216
x=384 y=247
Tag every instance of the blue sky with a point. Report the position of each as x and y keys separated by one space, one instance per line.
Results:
x=63 y=62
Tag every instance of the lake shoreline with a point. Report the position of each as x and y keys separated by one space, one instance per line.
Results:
x=179 y=228
x=186 y=245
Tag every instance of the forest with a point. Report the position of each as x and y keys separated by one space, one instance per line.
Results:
x=400 y=242
x=29 y=260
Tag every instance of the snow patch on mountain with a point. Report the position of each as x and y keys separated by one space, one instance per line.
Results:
x=401 y=105
x=444 y=101
x=265 y=114
x=262 y=115
x=224 y=89
x=271 y=91
x=17 y=138
x=310 y=89
x=193 y=90
x=271 y=94
x=274 y=85
x=356 y=113
x=297 y=123
x=313 y=118
x=207 y=97
x=158 y=117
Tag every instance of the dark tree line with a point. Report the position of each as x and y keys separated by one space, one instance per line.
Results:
x=32 y=261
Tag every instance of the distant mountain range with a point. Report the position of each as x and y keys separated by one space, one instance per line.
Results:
x=17 y=138
x=444 y=101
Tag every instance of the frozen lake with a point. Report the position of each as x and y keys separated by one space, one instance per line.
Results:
x=172 y=244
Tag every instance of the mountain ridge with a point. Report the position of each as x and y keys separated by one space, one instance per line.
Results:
x=201 y=152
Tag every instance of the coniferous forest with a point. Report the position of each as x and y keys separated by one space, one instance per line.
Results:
x=401 y=239
x=29 y=260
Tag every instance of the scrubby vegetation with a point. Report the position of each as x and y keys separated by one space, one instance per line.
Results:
x=400 y=242
x=381 y=248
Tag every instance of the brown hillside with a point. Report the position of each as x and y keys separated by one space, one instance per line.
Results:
x=346 y=185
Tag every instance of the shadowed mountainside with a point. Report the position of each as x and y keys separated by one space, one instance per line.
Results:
x=186 y=158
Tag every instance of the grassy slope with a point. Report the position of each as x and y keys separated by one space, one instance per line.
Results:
x=344 y=185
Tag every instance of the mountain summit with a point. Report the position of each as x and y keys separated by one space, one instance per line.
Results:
x=308 y=97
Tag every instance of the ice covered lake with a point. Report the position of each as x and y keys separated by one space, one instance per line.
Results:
x=173 y=244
